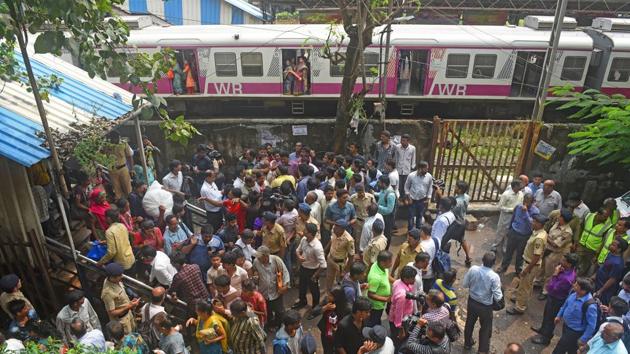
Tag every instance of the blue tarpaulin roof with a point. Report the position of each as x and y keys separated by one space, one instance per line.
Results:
x=76 y=100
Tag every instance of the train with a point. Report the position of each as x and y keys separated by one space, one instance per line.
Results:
x=470 y=69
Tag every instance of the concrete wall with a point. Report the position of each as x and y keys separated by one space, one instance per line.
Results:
x=594 y=182
x=233 y=136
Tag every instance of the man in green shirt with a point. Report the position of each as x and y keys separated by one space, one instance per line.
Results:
x=379 y=286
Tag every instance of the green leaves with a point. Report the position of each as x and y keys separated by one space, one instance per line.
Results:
x=178 y=130
x=50 y=42
x=607 y=139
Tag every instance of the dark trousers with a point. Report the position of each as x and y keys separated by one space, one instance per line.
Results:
x=275 y=308
x=307 y=283
x=483 y=313
x=552 y=306
x=568 y=343
x=515 y=244
x=375 y=318
x=401 y=184
x=416 y=210
x=394 y=333
x=215 y=219
x=389 y=227
x=427 y=284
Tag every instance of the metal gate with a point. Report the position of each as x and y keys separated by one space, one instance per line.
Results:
x=488 y=154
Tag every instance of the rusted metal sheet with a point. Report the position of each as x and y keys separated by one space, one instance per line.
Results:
x=488 y=154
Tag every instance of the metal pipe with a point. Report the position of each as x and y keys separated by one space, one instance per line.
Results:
x=141 y=148
x=66 y=225
x=550 y=60
x=129 y=279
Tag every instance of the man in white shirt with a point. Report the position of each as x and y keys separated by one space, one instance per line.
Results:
x=579 y=208
x=236 y=274
x=507 y=202
x=173 y=181
x=394 y=177
x=428 y=246
x=376 y=341
x=405 y=160
x=312 y=199
x=239 y=181
x=245 y=244
x=445 y=219
x=310 y=254
x=158 y=294
x=161 y=268
x=366 y=231
x=418 y=191
x=421 y=264
x=211 y=197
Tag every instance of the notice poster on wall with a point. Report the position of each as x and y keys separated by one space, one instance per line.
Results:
x=300 y=130
x=544 y=150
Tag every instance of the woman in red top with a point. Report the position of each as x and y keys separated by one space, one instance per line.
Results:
x=98 y=206
x=149 y=235
x=235 y=205
x=254 y=300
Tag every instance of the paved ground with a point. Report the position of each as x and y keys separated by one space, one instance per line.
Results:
x=506 y=328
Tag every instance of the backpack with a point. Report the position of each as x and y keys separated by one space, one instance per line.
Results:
x=600 y=314
x=147 y=329
x=441 y=262
x=454 y=231
x=281 y=346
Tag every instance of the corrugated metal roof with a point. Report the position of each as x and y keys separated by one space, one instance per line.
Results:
x=21 y=144
x=77 y=99
x=247 y=7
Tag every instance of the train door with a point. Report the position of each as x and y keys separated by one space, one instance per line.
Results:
x=412 y=72
x=527 y=73
x=184 y=78
x=296 y=72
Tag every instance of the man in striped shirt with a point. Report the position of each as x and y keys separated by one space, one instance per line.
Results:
x=246 y=336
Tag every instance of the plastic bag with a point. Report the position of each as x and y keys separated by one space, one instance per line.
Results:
x=154 y=197
x=97 y=251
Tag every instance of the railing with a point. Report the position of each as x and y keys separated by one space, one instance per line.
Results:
x=86 y=268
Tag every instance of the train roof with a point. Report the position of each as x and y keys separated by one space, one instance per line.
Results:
x=621 y=40
x=302 y=34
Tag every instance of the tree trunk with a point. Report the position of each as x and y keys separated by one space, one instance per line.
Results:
x=344 y=104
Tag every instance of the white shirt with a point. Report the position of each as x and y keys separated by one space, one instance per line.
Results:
x=238 y=183
x=524 y=190
x=237 y=278
x=405 y=159
x=316 y=211
x=153 y=310
x=248 y=250
x=313 y=254
x=162 y=269
x=418 y=187
x=509 y=200
x=210 y=190
x=428 y=246
x=173 y=182
x=581 y=211
x=394 y=181
x=387 y=348
x=441 y=224
x=366 y=231
x=417 y=284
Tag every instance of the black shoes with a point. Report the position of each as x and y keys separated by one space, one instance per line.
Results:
x=540 y=340
x=298 y=305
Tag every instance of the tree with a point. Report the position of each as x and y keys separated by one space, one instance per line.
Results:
x=90 y=32
x=607 y=139
x=359 y=19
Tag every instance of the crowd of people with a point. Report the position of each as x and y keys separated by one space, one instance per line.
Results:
x=324 y=224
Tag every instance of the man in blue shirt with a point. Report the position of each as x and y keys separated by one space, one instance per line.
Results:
x=341 y=209
x=386 y=205
x=611 y=272
x=536 y=183
x=578 y=327
x=520 y=230
x=174 y=235
x=200 y=247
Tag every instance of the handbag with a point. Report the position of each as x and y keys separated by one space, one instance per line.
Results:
x=499 y=305
x=97 y=251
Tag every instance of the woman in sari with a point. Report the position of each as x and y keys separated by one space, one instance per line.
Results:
x=301 y=82
x=190 y=80
x=211 y=331
x=98 y=207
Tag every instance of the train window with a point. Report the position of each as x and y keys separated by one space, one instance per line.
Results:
x=252 y=64
x=484 y=66
x=457 y=65
x=573 y=68
x=225 y=64
x=619 y=70
x=369 y=59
